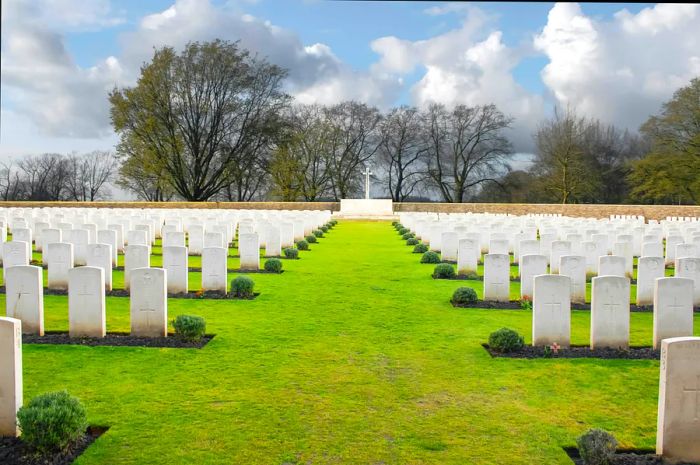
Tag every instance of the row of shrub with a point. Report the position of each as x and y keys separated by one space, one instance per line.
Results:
x=312 y=238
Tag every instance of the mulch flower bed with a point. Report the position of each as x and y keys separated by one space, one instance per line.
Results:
x=116 y=339
x=515 y=305
x=628 y=457
x=633 y=353
x=15 y=452
x=182 y=295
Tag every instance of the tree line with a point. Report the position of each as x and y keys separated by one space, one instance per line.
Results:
x=213 y=122
x=54 y=177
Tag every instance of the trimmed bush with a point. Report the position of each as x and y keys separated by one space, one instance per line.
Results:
x=398 y=226
x=189 y=327
x=464 y=296
x=394 y=223
x=444 y=271
x=420 y=248
x=318 y=233
x=506 y=340
x=403 y=231
x=242 y=287
x=430 y=257
x=311 y=239
x=291 y=253
x=412 y=241
x=273 y=265
x=303 y=245
x=407 y=236
x=324 y=228
x=597 y=447
x=52 y=421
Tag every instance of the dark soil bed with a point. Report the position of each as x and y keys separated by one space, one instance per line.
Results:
x=633 y=353
x=116 y=339
x=14 y=452
x=125 y=293
x=515 y=305
x=628 y=457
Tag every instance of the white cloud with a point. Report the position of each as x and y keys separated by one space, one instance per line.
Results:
x=469 y=66
x=620 y=71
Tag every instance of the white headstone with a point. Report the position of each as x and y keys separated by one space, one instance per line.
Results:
x=80 y=240
x=530 y=266
x=610 y=312
x=677 y=433
x=213 y=239
x=612 y=265
x=49 y=236
x=559 y=248
x=468 y=254
x=214 y=271
x=175 y=263
x=249 y=250
x=690 y=268
x=273 y=244
x=109 y=236
x=497 y=277
x=14 y=253
x=174 y=238
x=673 y=308
x=100 y=255
x=86 y=302
x=10 y=375
x=135 y=256
x=551 y=316
x=574 y=266
x=649 y=269
x=149 y=302
x=25 y=297
x=195 y=234
x=449 y=247
x=59 y=259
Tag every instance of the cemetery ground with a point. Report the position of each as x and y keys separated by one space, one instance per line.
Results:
x=353 y=355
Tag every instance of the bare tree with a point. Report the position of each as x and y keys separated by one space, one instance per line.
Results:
x=11 y=186
x=43 y=176
x=402 y=151
x=89 y=174
x=466 y=147
x=354 y=141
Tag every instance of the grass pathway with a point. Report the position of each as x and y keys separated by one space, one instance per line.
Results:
x=352 y=356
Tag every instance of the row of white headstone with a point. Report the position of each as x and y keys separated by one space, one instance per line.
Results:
x=678 y=407
x=553 y=237
x=121 y=227
x=86 y=300
x=649 y=269
x=610 y=310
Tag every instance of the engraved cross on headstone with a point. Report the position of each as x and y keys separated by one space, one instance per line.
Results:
x=675 y=305
x=696 y=393
x=552 y=307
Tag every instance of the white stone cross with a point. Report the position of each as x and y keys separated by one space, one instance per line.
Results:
x=367 y=173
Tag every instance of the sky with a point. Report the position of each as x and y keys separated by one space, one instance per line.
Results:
x=614 y=62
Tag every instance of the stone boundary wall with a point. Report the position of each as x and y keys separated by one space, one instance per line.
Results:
x=655 y=212
x=652 y=212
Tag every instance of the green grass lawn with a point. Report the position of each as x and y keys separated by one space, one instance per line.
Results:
x=352 y=356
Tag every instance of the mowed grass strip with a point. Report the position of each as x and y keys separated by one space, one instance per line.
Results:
x=352 y=356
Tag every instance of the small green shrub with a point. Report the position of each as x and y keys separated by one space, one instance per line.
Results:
x=318 y=233
x=273 y=265
x=412 y=241
x=333 y=222
x=311 y=239
x=394 y=223
x=506 y=340
x=420 y=248
x=324 y=228
x=303 y=245
x=291 y=253
x=242 y=287
x=403 y=231
x=52 y=421
x=597 y=447
x=189 y=327
x=444 y=271
x=430 y=257
x=407 y=236
x=397 y=225
x=464 y=296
